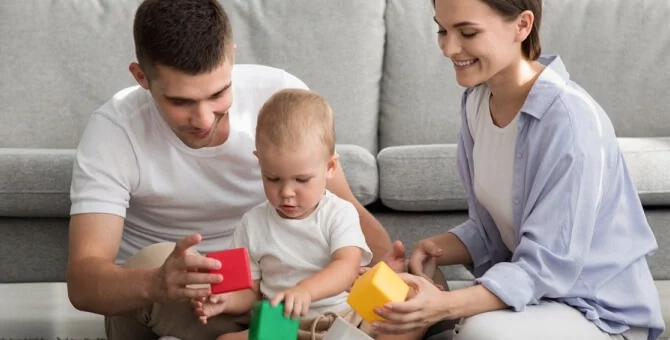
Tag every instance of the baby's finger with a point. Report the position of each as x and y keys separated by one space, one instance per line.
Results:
x=288 y=305
x=277 y=299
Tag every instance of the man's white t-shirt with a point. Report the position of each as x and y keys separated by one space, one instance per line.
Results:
x=130 y=163
x=493 y=162
x=283 y=252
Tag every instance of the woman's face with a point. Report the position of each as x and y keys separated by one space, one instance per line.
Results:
x=477 y=39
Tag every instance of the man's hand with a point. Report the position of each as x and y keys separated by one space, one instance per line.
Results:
x=296 y=301
x=207 y=307
x=181 y=269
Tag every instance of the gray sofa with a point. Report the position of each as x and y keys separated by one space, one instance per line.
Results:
x=378 y=63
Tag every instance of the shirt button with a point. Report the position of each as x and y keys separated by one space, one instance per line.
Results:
x=518 y=156
x=516 y=201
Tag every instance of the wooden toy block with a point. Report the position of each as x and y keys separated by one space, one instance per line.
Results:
x=375 y=288
x=341 y=329
x=234 y=268
x=269 y=323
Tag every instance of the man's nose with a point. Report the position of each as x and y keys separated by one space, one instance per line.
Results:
x=202 y=117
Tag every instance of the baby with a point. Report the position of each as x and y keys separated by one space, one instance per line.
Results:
x=305 y=244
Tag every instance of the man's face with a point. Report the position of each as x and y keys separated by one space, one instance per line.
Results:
x=195 y=106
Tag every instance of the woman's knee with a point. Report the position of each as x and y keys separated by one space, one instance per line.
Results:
x=486 y=326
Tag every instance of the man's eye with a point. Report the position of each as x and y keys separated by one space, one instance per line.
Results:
x=179 y=102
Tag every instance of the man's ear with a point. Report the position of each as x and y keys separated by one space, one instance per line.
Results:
x=333 y=164
x=139 y=75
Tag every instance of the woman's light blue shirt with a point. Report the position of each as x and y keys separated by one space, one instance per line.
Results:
x=582 y=234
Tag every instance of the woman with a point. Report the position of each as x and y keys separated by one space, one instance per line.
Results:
x=556 y=235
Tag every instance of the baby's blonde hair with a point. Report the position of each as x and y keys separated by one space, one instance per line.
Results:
x=291 y=117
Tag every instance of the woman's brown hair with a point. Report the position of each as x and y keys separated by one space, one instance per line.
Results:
x=510 y=10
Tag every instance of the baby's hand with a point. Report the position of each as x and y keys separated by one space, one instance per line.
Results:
x=296 y=301
x=207 y=307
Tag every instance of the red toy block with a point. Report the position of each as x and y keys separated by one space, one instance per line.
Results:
x=234 y=268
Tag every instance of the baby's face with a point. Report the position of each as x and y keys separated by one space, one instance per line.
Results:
x=295 y=178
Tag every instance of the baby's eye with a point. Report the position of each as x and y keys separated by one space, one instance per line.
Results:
x=272 y=179
x=302 y=180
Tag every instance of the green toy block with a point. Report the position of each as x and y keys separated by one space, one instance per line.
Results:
x=269 y=323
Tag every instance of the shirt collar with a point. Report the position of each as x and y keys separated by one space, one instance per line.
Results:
x=548 y=85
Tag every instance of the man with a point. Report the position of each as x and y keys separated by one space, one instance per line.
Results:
x=166 y=168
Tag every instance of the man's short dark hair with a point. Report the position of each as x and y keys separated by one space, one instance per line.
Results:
x=193 y=36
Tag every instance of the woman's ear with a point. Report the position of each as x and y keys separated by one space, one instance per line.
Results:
x=524 y=25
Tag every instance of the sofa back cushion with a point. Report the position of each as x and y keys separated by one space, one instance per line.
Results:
x=62 y=60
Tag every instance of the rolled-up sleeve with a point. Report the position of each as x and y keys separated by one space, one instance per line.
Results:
x=558 y=224
x=471 y=234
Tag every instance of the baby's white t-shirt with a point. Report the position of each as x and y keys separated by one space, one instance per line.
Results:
x=129 y=163
x=283 y=252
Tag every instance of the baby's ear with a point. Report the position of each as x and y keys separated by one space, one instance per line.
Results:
x=333 y=163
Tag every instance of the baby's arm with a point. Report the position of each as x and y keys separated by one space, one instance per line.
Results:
x=333 y=279
x=238 y=302
x=337 y=276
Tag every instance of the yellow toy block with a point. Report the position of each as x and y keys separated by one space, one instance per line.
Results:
x=375 y=288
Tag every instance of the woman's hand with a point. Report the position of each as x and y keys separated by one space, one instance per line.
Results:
x=426 y=305
x=424 y=255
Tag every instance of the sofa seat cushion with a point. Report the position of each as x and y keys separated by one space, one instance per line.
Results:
x=36 y=182
x=425 y=177
x=420 y=178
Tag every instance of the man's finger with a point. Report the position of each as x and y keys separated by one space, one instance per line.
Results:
x=183 y=244
x=198 y=263
x=188 y=279
x=191 y=293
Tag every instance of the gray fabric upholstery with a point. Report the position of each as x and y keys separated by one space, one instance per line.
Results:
x=67 y=58
x=616 y=50
x=32 y=250
x=420 y=178
x=360 y=169
x=648 y=160
x=336 y=48
x=35 y=182
x=420 y=101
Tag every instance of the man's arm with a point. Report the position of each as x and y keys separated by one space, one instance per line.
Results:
x=376 y=236
x=95 y=283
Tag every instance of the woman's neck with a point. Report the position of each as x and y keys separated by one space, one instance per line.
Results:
x=509 y=89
